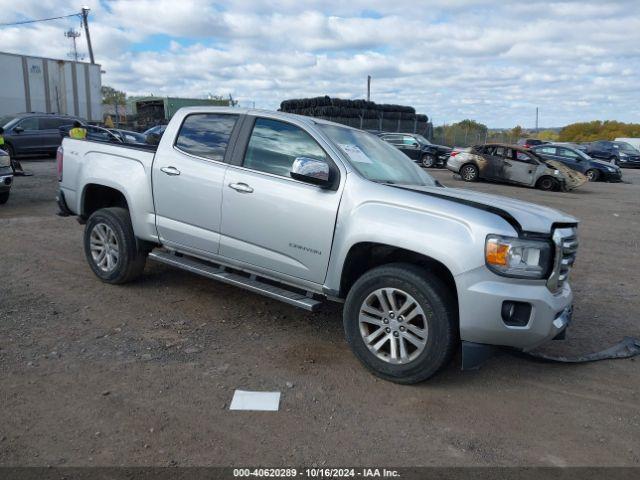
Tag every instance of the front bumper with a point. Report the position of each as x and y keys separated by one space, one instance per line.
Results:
x=6 y=180
x=629 y=162
x=610 y=176
x=481 y=294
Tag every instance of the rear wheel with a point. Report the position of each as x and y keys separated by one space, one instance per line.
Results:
x=428 y=160
x=111 y=247
x=400 y=322
x=548 y=183
x=592 y=175
x=4 y=197
x=469 y=173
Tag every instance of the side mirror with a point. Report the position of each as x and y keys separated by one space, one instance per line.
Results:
x=18 y=130
x=311 y=170
x=415 y=144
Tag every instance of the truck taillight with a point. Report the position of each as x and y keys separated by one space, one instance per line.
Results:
x=454 y=153
x=59 y=160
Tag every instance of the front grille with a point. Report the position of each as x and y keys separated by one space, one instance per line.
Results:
x=566 y=243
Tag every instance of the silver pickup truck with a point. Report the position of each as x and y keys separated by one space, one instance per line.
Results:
x=303 y=210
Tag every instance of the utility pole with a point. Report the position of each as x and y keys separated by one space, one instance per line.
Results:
x=536 y=119
x=368 y=88
x=73 y=34
x=85 y=21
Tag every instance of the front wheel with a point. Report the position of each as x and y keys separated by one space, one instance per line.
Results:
x=400 y=322
x=111 y=247
x=428 y=161
x=548 y=184
x=592 y=175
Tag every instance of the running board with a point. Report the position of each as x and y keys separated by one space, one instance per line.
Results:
x=251 y=283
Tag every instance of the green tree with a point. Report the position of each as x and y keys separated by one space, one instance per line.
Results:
x=598 y=130
x=112 y=96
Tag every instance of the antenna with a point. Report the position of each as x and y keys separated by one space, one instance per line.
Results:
x=73 y=34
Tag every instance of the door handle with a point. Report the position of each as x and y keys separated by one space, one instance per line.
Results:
x=241 y=187
x=170 y=171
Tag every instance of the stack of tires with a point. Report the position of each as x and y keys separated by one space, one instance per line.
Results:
x=359 y=113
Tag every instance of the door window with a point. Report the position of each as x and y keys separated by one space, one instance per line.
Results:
x=409 y=141
x=48 y=123
x=206 y=134
x=274 y=146
x=523 y=157
x=565 y=152
x=30 y=123
x=546 y=150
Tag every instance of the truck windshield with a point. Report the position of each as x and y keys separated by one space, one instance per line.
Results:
x=375 y=159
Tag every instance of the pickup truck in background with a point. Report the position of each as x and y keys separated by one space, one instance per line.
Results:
x=304 y=210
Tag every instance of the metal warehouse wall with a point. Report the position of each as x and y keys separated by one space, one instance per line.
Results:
x=35 y=84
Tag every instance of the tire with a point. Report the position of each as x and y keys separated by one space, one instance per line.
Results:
x=112 y=226
x=592 y=174
x=4 y=197
x=469 y=173
x=548 y=184
x=438 y=315
x=428 y=161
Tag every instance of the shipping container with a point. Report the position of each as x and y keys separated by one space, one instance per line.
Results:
x=151 y=111
x=37 y=84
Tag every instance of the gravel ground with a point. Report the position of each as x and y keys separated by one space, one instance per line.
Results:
x=143 y=374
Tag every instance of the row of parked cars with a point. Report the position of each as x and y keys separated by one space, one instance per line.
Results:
x=534 y=163
x=37 y=133
x=41 y=133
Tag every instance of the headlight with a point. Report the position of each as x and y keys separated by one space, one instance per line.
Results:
x=519 y=258
x=611 y=169
x=623 y=155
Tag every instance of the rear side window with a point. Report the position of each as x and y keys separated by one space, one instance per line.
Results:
x=206 y=134
x=546 y=150
x=52 y=123
x=274 y=145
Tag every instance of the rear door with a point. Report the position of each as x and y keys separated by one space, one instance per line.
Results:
x=571 y=159
x=49 y=128
x=187 y=182
x=270 y=220
x=493 y=164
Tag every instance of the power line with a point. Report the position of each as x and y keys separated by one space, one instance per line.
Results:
x=24 y=22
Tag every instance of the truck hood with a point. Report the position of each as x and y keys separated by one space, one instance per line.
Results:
x=529 y=217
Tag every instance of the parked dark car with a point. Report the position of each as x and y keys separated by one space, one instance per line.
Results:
x=6 y=177
x=34 y=133
x=418 y=148
x=530 y=142
x=93 y=133
x=620 y=153
x=580 y=161
x=127 y=136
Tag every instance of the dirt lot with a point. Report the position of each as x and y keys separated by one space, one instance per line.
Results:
x=143 y=374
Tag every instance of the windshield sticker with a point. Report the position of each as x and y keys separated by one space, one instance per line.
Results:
x=355 y=153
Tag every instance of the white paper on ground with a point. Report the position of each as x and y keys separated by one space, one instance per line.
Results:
x=264 y=401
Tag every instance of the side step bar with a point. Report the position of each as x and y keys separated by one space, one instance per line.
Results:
x=251 y=283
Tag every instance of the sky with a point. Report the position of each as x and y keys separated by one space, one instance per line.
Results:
x=493 y=61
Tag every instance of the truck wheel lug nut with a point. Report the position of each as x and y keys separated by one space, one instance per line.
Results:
x=385 y=320
x=402 y=329
x=387 y=329
x=395 y=334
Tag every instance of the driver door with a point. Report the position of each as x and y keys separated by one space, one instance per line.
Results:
x=410 y=147
x=520 y=168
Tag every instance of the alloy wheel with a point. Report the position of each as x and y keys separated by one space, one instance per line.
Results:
x=469 y=173
x=104 y=247
x=393 y=326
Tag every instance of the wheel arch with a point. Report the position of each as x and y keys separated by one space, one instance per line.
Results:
x=96 y=196
x=365 y=256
